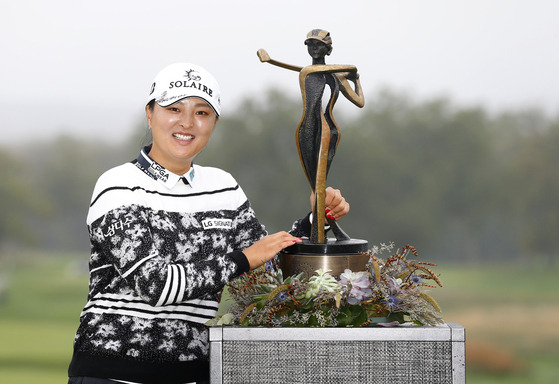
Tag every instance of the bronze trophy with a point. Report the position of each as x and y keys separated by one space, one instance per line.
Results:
x=317 y=139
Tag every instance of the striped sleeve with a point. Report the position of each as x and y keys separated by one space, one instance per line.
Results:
x=173 y=291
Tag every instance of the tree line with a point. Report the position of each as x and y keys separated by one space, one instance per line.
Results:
x=457 y=182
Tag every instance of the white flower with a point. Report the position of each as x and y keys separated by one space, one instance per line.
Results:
x=113 y=344
x=141 y=324
x=137 y=232
x=199 y=238
x=167 y=345
x=141 y=338
x=189 y=221
x=106 y=330
x=209 y=276
x=322 y=280
x=219 y=241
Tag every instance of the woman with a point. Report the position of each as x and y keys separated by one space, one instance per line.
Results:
x=166 y=236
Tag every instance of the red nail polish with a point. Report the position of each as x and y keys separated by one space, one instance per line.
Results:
x=327 y=210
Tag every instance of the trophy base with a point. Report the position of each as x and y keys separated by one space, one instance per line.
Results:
x=334 y=255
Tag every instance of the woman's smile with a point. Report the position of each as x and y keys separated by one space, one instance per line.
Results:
x=183 y=137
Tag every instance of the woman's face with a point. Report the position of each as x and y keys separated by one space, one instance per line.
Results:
x=180 y=132
x=317 y=49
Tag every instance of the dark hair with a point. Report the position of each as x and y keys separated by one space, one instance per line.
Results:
x=148 y=137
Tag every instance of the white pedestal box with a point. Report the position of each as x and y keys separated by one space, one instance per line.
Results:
x=404 y=354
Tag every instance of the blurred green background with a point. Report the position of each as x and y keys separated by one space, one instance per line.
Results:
x=472 y=190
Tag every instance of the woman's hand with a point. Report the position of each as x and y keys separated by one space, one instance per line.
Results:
x=268 y=247
x=336 y=205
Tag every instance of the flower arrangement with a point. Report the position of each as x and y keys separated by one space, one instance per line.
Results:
x=388 y=293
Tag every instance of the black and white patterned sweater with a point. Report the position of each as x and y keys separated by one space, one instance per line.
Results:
x=162 y=248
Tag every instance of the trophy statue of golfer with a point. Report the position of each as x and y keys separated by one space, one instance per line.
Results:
x=317 y=139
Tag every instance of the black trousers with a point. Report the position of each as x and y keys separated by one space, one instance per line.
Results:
x=89 y=380
x=95 y=380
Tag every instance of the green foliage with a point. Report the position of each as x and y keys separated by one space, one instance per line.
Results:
x=418 y=168
x=62 y=174
x=537 y=182
x=458 y=182
x=351 y=315
x=17 y=200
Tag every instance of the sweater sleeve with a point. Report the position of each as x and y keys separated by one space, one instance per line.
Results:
x=167 y=261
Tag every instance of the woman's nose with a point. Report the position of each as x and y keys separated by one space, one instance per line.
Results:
x=186 y=120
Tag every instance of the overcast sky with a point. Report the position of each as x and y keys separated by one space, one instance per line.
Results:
x=85 y=67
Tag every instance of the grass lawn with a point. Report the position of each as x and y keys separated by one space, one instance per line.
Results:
x=509 y=313
x=39 y=313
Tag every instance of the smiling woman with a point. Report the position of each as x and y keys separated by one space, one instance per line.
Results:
x=183 y=107
x=166 y=236
x=180 y=132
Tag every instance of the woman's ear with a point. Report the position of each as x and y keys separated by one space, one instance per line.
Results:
x=148 y=115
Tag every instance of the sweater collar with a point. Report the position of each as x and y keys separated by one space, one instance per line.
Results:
x=159 y=173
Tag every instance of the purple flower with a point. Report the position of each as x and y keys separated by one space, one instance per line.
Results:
x=282 y=296
x=415 y=279
x=394 y=284
x=391 y=302
x=269 y=266
x=360 y=285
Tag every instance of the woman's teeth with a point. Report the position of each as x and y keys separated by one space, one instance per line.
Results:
x=183 y=137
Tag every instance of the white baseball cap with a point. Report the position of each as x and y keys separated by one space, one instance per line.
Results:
x=181 y=80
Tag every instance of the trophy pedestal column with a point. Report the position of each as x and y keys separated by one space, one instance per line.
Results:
x=335 y=255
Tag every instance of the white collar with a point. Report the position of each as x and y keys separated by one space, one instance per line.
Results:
x=158 y=172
